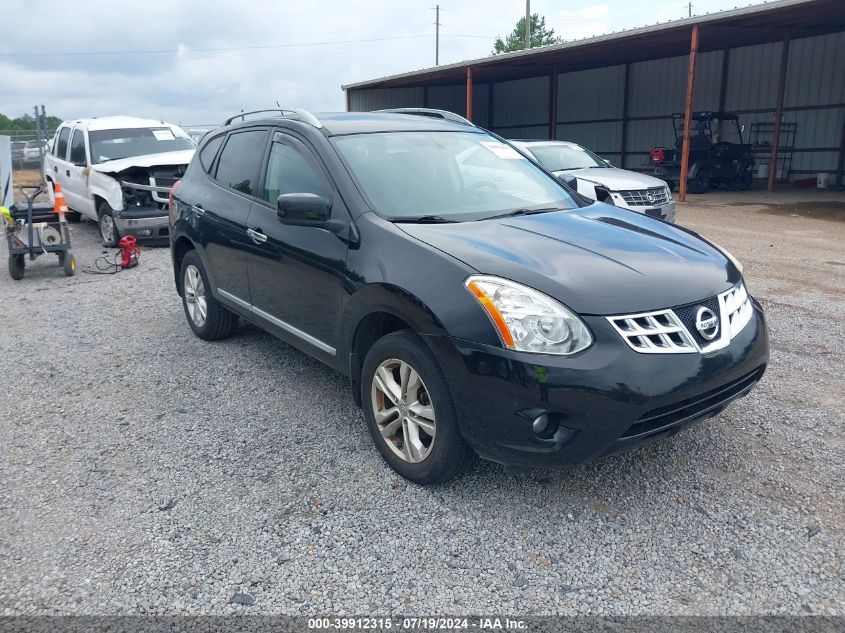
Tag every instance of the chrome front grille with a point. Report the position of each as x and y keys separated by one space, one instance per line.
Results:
x=673 y=331
x=162 y=183
x=654 y=197
x=654 y=333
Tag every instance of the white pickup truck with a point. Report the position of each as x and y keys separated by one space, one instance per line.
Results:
x=118 y=171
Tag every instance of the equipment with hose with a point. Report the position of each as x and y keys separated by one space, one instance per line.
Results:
x=127 y=256
x=37 y=230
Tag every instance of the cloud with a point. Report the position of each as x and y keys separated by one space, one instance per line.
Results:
x=183 y=85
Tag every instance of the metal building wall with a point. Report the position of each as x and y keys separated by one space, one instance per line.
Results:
x=590 y=104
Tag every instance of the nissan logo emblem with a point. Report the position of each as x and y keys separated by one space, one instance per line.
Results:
x=706 y=323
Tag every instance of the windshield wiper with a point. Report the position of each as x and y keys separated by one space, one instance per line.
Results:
x=515 y=212
x=423 y=219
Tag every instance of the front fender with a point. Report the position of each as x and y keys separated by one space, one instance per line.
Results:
x=105 y=187
x=388 y=299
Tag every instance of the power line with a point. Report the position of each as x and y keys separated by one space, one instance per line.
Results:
x=212 y=50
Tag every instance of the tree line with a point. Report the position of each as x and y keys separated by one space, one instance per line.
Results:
x=26 y=122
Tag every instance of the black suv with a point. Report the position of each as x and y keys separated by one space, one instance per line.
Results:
x=476 y=304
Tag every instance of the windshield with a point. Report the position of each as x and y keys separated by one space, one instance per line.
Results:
x=454 y=176
x=114 y=144
x=564 y=157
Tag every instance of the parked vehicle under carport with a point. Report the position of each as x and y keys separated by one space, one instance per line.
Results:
x=717 y=156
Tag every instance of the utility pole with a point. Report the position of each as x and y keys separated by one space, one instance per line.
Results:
x=690 y=9
x=437 y=36
x=527 y=24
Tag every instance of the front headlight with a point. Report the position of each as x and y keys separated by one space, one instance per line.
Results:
x=527 y=320
x=733 y=259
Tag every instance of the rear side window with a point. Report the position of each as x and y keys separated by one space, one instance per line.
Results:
x=288 y=171
x=240 y=161
x=208 y=152
x=77 y=148
x=61 y=143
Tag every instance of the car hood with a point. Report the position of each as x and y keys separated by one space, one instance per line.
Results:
x=181 y=157
x=597 y=259
x=614 y=179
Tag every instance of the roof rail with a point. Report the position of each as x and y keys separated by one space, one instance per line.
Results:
x=433 y=113
x=291 y=113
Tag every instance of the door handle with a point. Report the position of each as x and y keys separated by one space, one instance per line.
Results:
x=55 y=169
x=197 y=208
x=67 y=172
x=257 y=236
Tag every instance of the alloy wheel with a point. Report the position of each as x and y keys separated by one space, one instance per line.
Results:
x=195 y=296
x=107 y=227
x=403 y=410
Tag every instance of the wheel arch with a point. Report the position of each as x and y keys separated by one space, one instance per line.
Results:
x=374 y=312
x=181 y=247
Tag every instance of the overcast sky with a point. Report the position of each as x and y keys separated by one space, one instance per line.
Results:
x=198 y=61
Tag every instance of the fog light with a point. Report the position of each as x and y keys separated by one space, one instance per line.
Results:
x=540 y=424
x=145 y=232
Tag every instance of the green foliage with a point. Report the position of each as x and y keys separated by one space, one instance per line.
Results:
x=26 y=122
x=540 y=36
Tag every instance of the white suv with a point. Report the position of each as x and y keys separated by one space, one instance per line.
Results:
x=118 y=171
x=596 y=178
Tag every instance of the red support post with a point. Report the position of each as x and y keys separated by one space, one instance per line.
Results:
x=693 y=53
x=469 y=93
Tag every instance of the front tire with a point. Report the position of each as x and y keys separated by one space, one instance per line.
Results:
x=208 y=318
x=108 y=229
x=409 y=410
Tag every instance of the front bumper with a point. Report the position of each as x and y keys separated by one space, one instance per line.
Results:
x=605 y=400
x=665 y=212
x=148 y=223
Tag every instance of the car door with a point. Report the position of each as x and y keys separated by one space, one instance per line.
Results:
x=296 y=273
x=56 y=164
x=75 y=180
x=224 y=208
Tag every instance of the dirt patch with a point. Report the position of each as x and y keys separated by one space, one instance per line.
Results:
x=28 y=177
x=822 y=210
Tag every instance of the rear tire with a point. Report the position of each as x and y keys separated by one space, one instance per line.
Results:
x=700 y=184
x=208 y=318
x=17 y=267
x=420 y=439
x=108 y=229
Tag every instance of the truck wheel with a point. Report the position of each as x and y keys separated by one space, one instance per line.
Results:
x=17 y=266
x=409 y=410
x=108 y=229
x=700 y=184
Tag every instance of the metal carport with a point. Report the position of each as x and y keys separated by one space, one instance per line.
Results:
x=773 y=62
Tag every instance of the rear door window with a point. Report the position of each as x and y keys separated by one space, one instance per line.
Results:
x=240 y=162
x=77 y=148
x=61 y=143
x=208 y=152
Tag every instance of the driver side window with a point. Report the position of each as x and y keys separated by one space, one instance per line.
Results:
x=288 y=171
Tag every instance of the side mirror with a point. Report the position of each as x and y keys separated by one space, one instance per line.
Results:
x=303 y=209
x=607 y=162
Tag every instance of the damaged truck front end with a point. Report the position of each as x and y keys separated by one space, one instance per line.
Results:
x=137 y=194
x=145 y=194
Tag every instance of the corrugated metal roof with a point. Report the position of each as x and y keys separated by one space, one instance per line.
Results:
x=736 y=27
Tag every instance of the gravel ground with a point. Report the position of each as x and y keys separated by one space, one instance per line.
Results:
x=146 y=471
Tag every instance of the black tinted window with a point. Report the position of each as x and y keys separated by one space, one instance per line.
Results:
x=288 y=171
x=77 y=148
x=208 y=152
x=239 y=162
x=61 y=144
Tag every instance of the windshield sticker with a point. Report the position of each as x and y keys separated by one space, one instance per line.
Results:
x=163 y=135
x=503 y=151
